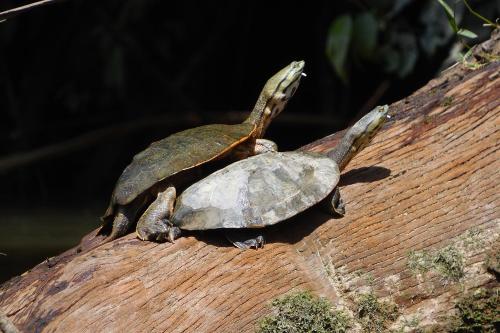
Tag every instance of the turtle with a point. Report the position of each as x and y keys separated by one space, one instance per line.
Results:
x=269 y=188
x=149 y=184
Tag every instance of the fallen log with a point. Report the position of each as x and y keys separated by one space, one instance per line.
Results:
x=421 y=229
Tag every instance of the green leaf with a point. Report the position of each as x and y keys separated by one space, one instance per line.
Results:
x=450 y=15
x=337 y=44
x=364 y=35
x=466 y=33
x=467 y=54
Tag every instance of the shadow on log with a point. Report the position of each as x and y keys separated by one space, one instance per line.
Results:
x=428 y=181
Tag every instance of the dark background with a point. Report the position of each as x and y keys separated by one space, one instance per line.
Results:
x=85 y=85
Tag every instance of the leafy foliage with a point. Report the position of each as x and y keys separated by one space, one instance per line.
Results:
x=450 y=14
x=386 y=36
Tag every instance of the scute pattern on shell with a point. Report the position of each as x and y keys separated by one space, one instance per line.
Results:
x=173 y=154
x=258 y=191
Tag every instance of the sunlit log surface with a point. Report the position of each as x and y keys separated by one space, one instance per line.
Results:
x=429 y=181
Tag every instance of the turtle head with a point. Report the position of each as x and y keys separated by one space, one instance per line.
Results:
x=274 y=96
x=359 y=135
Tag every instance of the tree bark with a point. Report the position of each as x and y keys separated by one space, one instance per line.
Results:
x=428 y=181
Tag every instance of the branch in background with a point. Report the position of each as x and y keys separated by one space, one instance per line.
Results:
x=19 y=10
x=111 y=133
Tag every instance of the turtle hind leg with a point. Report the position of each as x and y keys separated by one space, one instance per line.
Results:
x=154 y=223
x=122 y=222
x=244 y=239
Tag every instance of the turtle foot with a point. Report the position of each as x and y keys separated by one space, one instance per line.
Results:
x=256 y=243
x=242 y=240
x=265 y=146
x=173 y=233
x=120 y=227
x=337 y=204
x=160 y=231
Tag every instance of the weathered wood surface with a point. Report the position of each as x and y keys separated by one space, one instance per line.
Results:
x=427 y=179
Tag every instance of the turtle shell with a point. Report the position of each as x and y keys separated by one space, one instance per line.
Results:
x=178 y=152
x=258 y=191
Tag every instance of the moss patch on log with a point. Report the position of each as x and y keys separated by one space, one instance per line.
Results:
x=304 y=312
x=373 y=314
x=448 y=262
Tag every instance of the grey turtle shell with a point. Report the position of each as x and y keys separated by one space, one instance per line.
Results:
x=256 y=192
x=178 y=152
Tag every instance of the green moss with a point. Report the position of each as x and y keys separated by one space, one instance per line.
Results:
x=428 y=119
x=370 y=279
x=492 y=261
x=447 y=101
x=479 y=60
x=478 y=312
x=375 y=315
x=419 y=261
x=412 y=324
x=472 y=239
x=303 y=312
x=448 y=262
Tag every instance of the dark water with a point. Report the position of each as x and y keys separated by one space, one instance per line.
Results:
x=29 y=237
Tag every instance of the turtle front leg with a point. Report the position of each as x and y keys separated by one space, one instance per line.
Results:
x=154 y=223
x=265 y=146
x=337 y=204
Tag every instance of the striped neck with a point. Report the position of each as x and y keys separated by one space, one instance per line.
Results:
x=274 y=96
x=359 y=136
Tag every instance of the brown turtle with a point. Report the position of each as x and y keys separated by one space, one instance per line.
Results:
x=152 y=178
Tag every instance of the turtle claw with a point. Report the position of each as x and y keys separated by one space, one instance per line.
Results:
x=161 y=231
x=173 y=233
x=152 y=232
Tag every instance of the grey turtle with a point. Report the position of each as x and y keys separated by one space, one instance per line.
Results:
x=154 y=175
x=266 y=189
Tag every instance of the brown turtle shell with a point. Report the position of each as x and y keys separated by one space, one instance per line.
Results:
x=180 y=151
